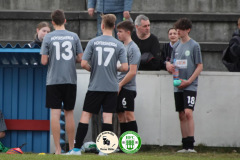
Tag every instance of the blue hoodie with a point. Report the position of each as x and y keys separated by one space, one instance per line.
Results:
x=110 y=6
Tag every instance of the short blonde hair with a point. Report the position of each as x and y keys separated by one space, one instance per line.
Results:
x=109 y=20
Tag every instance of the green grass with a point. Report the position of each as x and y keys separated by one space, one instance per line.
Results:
x=145 y=153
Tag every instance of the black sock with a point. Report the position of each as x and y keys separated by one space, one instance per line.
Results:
x=190 y=141
x=107 y=127
x=81 y=134
x=123 y=127
x=184 y=143
x=132 y=126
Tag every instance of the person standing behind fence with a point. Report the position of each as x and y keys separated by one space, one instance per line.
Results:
x=3 y=126
x=61 y=49
x=166 y=50
x=188 y=59
x=103 y=52
x=120 y=8
x=127 y=80
x=148 y=44
x=42 y=29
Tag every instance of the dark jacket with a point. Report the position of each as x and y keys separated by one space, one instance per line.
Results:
x=166 y=52
x=149 y=45
x=234 y=43
x=35 y=42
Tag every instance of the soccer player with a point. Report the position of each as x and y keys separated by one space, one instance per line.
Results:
x=127 y=80
x=188 y=59
x=60 y=50
x=103 y=52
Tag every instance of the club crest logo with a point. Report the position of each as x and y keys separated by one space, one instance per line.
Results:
x=107 y=142
x=187 y=53
x=130 y=142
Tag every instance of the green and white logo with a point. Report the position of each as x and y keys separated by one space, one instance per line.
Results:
x=187 y=53
x=130 y=142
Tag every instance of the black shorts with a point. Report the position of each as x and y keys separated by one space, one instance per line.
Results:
x=94 y=100
x=126 y=100
x=61 y=95
x=185 y=99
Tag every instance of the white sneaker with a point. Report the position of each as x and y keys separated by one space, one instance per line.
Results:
x=102 y=154
x=182 y=151
x=191 y=151
x=74 y=151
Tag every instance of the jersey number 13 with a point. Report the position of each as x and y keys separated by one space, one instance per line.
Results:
x=68 y=50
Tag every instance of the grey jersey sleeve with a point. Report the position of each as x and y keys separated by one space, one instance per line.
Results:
x=78 y=45
x=197 y=54
x=122 y=55
x=88 y=51
x=134 y=56
x=45 y=47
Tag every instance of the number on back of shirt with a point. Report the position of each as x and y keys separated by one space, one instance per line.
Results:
x=67 y=54
x=110 y=52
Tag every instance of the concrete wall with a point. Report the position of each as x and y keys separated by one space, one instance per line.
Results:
x=216 y=112
x=67 y=5
x=213 y=21
x=210 y=6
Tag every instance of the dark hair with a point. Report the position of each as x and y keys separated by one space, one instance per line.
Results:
x=126 y=25
x=58 y=17
x=183 y=24
x=171 y=29
x=108 y=20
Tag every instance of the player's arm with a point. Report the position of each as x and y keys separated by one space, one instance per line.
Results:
x=169 y=67
x=91 y=6
x=123 y=67
x=129 y=76
x=195 y=74
x=127 y=8
x=79 y=58
x=44 y=59
x=85 y=65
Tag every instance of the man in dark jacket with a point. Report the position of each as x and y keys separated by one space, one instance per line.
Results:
x=148 y=44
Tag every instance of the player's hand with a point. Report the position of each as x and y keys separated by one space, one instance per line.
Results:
x=126 y=14
x=91 y=11
x=170 y=67
x=120 y=88
x=184 y=84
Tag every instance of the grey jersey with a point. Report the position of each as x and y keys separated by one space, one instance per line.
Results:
x=133 y=56
x=103 y=52
x=189 y=55
x=61 y=46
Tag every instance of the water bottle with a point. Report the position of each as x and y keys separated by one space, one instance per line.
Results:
x=176 y=81
x=176 y=71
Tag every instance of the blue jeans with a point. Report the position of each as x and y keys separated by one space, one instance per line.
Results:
x=119 y=17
